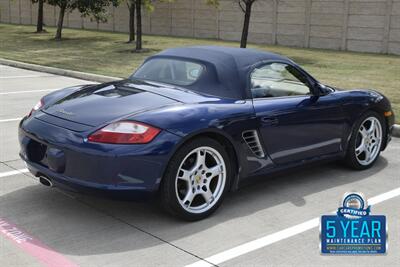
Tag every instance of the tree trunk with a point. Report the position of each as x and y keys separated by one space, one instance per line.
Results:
x=246 y=24
x=60 y=22
x=138 y=25
x=131 y=21
x=39 y=25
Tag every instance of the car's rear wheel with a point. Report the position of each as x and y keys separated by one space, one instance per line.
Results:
x=366 y=141
x=196 y=179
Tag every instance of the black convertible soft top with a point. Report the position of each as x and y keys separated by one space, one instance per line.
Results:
x=227 y=67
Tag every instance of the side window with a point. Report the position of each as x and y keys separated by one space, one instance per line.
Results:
x=277 y=80
x=170 y=71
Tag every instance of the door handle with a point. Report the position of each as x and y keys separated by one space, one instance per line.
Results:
x=270 y=121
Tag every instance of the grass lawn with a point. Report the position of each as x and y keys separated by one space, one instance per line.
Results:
x=108 y=54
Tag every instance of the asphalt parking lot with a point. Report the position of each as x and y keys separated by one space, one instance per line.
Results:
x=269 y=222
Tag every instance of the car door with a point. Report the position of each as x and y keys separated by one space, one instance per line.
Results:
x=295 y=124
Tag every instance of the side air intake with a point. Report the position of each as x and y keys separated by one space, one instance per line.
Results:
x=252 y=140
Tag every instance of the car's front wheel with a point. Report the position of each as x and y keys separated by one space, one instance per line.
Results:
x=196 y=179
x=366 y=141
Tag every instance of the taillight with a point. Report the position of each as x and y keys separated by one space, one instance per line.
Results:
x=36 y=107
x=125 y=132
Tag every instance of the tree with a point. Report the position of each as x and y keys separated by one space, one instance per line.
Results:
x=131 y=6
x=139 y=22
x=95 y=8
x=248 y=4
x=149 y=6
x=39 y=24
x=245 y=6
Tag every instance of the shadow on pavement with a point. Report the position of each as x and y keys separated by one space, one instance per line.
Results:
x=92 y=226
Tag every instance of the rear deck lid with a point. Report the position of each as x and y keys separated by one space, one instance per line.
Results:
x=99 y=104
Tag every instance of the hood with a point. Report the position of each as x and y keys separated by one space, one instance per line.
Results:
x=99 y=104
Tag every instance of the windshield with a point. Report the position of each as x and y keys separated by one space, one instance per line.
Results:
x=170 y=71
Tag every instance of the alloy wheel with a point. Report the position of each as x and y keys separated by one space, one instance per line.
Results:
x=200 y=179
x=368 y=142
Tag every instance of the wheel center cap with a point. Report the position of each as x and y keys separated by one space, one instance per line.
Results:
x=198 y=179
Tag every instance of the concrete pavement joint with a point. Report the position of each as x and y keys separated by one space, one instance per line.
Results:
x=33 y=246
x=273 y=238
x=16 y=171
x=148 y=233
x=170 y=235
x=10 y=160
x=27 y=174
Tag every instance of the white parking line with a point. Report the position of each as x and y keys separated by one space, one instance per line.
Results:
x=10 y=173
x=30 y=91
x=278 y=236
x=7 y=120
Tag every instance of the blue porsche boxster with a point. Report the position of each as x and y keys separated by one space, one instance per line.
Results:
x=191 y=123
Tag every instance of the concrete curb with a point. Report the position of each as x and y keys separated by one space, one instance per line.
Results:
x=95 y=77
x=396 y=130
x=57 y=71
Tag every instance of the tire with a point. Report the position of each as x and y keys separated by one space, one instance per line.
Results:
x=363 y=148
x=188 y=180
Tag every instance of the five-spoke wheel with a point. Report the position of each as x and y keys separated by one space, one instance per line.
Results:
x=196 y=179
x=369 y=140
x=200 y=179
x=366 y=141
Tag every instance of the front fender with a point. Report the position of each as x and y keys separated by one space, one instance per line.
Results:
x=357 y=102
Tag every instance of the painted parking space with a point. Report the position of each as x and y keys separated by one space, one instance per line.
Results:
x=7 y=72
x=14 y=80
x=90 y=231
x=304 y=248
x=9 y=140
x=291 y=232
x=66 y=230
x=20 y=90
x=33 y=246
x=266 y=207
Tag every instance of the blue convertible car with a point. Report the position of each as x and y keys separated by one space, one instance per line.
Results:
x=192 y=123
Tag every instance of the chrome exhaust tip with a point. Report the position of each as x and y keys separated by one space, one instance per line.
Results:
x=45 y=181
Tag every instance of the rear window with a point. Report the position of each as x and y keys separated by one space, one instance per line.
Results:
x=170 y=71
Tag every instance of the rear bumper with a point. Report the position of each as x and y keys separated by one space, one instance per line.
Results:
x=127 y=171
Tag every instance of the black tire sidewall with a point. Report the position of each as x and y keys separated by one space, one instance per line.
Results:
x=168 y=197
x=351 y=158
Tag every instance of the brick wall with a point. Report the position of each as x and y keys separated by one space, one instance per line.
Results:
x=355 y=25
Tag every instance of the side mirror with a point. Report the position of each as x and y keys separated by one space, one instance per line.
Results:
x=315 y=90
x=324 y=90
x=320 y=89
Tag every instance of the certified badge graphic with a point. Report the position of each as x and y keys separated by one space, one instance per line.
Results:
x=353 y=230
